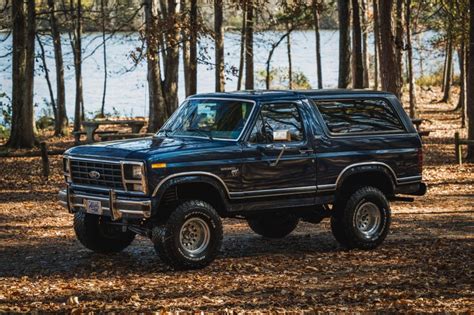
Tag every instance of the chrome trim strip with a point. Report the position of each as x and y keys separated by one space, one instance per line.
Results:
x=222 y=99
x=329 y=187
x=409 y=179
x=283 y=190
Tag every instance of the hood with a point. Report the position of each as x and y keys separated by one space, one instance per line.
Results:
x=146 y=148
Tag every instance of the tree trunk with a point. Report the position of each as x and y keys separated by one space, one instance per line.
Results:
x=104 y=55
x=462 y=94
x=389 y=69
x=157 y=109
x=186 y=34
x=249 y=67
x=470 y=85
x=77 y=52
x=449 y=70
x=316 y=9
x=344 y=44
x=242 y=46
x=219 y=40
x=22 y=128
x=193 y=47
x=357 y=61
x=411 y=79
x=365 y=43
x=399 y=42
x=269 y=58
x=61 y=121
x=376 y=44
x=290 y=64
x=46 y=76
x=172 y=59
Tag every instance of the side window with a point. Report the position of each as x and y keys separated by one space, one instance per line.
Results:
x=359 y=116
x=278 y=122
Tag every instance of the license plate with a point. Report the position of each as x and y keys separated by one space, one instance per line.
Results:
x=93 y=206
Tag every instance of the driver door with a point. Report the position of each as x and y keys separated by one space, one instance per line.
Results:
x=278 y=159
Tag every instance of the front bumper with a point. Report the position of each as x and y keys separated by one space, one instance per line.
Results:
x=112 y=206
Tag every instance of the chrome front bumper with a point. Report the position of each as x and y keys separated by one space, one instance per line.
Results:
x=112 y=206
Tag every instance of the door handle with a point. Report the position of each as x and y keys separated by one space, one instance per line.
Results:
x=306 y=151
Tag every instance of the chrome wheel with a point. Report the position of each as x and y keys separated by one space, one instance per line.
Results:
x=367 y=219
x=194 y=236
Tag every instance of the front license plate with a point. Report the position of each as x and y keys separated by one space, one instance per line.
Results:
x=93 y=206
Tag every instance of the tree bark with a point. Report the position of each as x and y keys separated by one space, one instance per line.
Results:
x=357 y=61
x=104 y=55
x=399 y=46
x=22 y=128
x=193 y=47
x=46 y=76
x=186 y=32
x=172 y=59
x=219 y=40
x=365 y=43
x=376 y=45
x=462 y=94
x=411 y=79
x=389 y=69
x=61 y=121
x=344 y=44
x=77 y=52
x=449 y=70
x=242 y=46
x=470 y=85
x=249 y=66
x=316 y=9
x=157 y=109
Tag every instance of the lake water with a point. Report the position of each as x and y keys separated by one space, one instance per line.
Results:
x=127 y=91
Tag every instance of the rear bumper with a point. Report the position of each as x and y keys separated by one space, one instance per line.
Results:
x=112 y=206
x=416 y=189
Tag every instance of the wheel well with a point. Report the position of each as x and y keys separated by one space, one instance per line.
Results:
x=377 y=179
x=195 y=190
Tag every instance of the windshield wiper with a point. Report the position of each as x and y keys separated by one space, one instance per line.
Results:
x=205 y=132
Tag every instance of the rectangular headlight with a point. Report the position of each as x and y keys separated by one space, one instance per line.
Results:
x=137 y=171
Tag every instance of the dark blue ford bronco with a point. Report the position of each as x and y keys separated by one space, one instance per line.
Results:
x=272 y=158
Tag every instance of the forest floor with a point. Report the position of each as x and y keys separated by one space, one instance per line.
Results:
x=426 y=263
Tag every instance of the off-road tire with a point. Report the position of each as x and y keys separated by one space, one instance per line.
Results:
x=273 y=225
x=343 y=222
x=166 y=237
x=92 y=232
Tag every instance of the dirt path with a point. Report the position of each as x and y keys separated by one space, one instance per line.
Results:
x=426 y=263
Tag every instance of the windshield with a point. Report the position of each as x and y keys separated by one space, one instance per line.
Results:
x=220 y=119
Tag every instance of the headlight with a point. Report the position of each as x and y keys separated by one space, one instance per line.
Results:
x=133 y=176
x=67 y=169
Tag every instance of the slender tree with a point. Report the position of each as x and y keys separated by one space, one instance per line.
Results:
x=103 y=5
x=193 y=40
x=357 y=61
x=399 y=45
x=389 y=68
x=186 y=31
x=77 y=53
x=42 y=56
x=376 y=44
x=61 y=121
x=448 y=73
x=290 y=62
x=316 y=12
x=24 y=28
x=242 y=45
x=157 y=107
x=409 y=48
x=249 y=66
x=365 y=42
x=219 y=40
x=470 y=85
x=344 y=44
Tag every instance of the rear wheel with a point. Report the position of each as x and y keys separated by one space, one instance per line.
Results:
x=94 y=233
x=191 y=237
x=273 y=225
x=363 y=220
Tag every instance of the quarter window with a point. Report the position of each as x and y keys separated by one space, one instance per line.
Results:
x=278 y=122
x=359 y=116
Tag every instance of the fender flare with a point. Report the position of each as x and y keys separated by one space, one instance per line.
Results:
x=369 y=167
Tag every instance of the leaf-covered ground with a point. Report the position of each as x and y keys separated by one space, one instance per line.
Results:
x=426 y=263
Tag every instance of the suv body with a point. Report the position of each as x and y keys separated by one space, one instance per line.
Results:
x=270 y=157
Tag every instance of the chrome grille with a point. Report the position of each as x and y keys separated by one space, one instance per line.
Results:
x=110 y=174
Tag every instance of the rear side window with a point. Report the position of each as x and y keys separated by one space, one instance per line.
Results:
x=359 y=116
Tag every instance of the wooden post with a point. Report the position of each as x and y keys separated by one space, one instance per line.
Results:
x=457 y=148
x=45 y=159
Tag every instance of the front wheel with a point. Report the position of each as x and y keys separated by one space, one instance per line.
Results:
x=94 y=233
x=191 y=237
x=363 y=221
